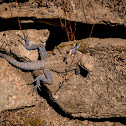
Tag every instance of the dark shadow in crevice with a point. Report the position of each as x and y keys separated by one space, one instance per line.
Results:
x=58 y=34
x=83 y=72
x=122 y=120
x=100 y=31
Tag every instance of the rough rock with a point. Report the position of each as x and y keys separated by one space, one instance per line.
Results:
x=14 y=91
x=99 y=93
x=86 y=11
x=44 y=115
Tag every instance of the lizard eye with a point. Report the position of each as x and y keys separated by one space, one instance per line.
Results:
x=65 y=60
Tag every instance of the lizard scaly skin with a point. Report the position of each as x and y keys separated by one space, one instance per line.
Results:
x=46 y=63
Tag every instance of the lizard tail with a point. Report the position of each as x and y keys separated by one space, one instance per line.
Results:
x=34 y=65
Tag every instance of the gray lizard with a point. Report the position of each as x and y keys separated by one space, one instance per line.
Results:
x=67 y=62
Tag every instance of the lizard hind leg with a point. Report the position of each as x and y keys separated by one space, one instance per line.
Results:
x=47 y=80
x=36 y=86
x=48 y=75
x=42 y=51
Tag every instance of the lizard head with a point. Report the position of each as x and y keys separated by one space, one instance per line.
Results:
x=87 y=62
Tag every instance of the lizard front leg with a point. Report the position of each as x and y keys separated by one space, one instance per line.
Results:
x=47 y=79
x=41 y=48
x=48 y=76
x=73 y=51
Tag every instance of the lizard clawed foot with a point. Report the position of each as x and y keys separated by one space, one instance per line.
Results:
x=25 y=38
x=36 y=86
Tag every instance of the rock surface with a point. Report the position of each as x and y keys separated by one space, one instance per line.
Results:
x=100 y=94
x=96 y=94
x=13 y=87
x=86 y=11
x=44 y=115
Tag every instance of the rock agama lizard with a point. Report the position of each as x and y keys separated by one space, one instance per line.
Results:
x=48 y=63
